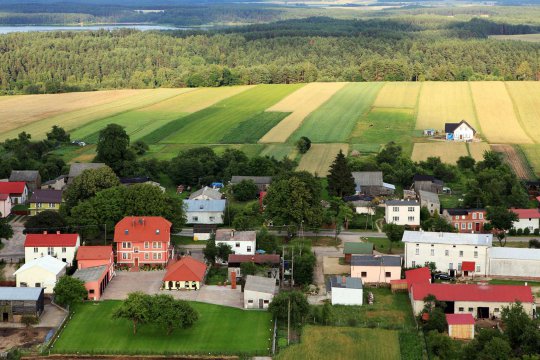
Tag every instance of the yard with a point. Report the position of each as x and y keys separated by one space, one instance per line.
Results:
x=382 y=245
x=219 y=330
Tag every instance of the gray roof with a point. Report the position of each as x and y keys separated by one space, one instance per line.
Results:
x=46 y=196
x=428 y=196
x=93 y=273
x=375 y=260
x=368 y=178
x=232 y=235
x=514 y=253
x=207 y=191
x=349 y=283
x=76 y=169
x=24 y=175
x=428 y=237
x=261 y=284
x=205 y=205
x=259 y=180
x=402 y=203
x=20 y=293
x=53 y=181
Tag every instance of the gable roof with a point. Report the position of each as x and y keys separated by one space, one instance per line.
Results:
x=473 y=292
x=20 y=293
x=186 y=269
x=24 y=175
x=259 y=180
x=93 y=273
x=46 y=196
x=368 y=178
x=527 y=213
x=94 y=252
x=345 y=282
x=375 y=260
x=232 y=235
x=260 y=284
x=460 y=319
x=142 y=228
x=430 y=237
x=77 y=169
x=12 y=187
x=257 y=259
x=415 y=276
x=428 y=196
x=48 y=263
x=52 y=240
x=205 y=205
x=207 y=191
x=451 y=127
x=358 y=248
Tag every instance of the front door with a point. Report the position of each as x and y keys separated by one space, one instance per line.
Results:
x=136 y=262
x=261 y=303
x=5 y=317
x=477 y=227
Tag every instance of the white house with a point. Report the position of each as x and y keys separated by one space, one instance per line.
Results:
x=42 y=272
x=241 y=242
x=527 y=219
x=60 y=246
x=447 y=250
x=346 y=290
x=402 y=212
x=5 y=205
x=206 y=193
x=17 y=191
x=205 y=211
x=259 y=292
x=460 y=131
x=518 y=262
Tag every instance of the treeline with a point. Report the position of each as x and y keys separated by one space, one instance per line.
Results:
x=72 y=61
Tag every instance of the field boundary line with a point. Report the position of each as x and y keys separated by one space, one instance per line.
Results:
x=523 y=155
x=471 y=95
x=417 y=105
x=518 y=114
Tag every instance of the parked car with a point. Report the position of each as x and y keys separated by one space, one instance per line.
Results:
x=444 y=277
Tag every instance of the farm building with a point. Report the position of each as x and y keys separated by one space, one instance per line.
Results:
x=466 y=220
x=269 y=262
x=402 y=212
x=262 y=182
x=345 y=290
x=241 y=242
x=60 y=246
x=206 y=193
x=427 y=183
x=5 y=205
x=185 y=274
x=17 y=191
x=371 y=183
x=518 y=262
x=259 y=292
x=430 y=200
x=95 y=280
x=76 y=169
x=447 y=250
x=460 y=326
x=30 y=177
x=91 y=256
x=460 y=131
x=55 y=184
x=356 y=248
x=16 y=302
x=482 y=301
x=204 y=212
x=376 y=268
x=413 y=276
x=527 y=219
x=42 y=200
x=362 y=204
x=42 y=272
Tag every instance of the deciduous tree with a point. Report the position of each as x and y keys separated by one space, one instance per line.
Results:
x=69 y=291
x=47 y=220
x=113 y=148
x=299 y=306
x=137 y=308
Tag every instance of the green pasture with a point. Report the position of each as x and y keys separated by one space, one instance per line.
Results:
x=280 y=151
x=254 y=128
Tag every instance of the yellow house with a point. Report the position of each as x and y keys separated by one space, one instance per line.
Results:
x=45 y=199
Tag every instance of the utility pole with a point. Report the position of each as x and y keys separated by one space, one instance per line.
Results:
x=289 y=322
x=292 y=268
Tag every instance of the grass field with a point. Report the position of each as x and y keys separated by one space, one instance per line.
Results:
x=442 y=102
x=524 y=37
x=447 y=151
x=253 y=129
x=279 y=151
x=169 y=151
x=398 y=95
x=477 y=149
x=319 y=158
x=382 y=245
x=496 y=114
x=526 y=97
x=532 y=152
x=326 y=342
x=219 y=329
x=334 y=120
x=210 y=125
x=300 y=103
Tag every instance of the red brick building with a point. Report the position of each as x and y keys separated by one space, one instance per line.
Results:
x=466 y=220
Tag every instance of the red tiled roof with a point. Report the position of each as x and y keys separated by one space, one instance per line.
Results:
x=415 y=276
x=142 y=228
x=94 y=252
x=527 y=213
x=12 y=187
x=41 y=240
x=467 y=266
x=471 y=292
x=4 y=196
x=187 y=269
x=257 y=258
x=459 y=319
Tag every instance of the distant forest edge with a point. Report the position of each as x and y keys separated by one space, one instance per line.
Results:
x=292 y=51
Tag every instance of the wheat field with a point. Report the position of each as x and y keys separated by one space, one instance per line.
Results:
x=398 y=95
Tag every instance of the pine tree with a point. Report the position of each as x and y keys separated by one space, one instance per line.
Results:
x=340 y=179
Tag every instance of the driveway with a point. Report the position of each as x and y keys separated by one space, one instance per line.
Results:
x=52 y=317
x=14 y=248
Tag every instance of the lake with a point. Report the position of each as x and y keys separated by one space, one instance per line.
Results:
x=12 y=29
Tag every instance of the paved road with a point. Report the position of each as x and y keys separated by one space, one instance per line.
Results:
x=14 y=248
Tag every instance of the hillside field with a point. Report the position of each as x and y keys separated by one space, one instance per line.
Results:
x=269 y=119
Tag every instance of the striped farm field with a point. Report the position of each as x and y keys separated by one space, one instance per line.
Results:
x=477 y=149
x=532 y=153
x=319 y=158
x=498 y=120
x=526 y=97
x=300 y=104
x=334 y=120
x=398 y=95
x=449 y=152
x=211 y=124
x=280 y=151
x=442 y=102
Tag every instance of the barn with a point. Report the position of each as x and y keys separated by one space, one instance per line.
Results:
x=460 y=326
x=16 y=302
x=518 y=262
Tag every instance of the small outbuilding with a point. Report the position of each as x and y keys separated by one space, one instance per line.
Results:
x=17 y=302
x=95 y=280
x=460 y=326
x=356 y=248
x=185 y=274
x=259 y=292
x=42 y=272
x=346 y=290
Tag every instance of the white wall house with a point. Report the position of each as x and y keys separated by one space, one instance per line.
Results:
x=447 y=250
x=241 y=242
x=518 y=262
x=43 y=272
x=61 y=246
x=402 y=212
x=346 y=290
x=259 y=292
x=527 y=219
x=205 y=211
x=460 y=131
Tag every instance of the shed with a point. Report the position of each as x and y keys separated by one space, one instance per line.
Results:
x=346 y=290
x=356 y=248
x=460 y=326
x=259 y=292
x=516 y=262
x=15 y=302
x=430 y=200
x=262 y=182
x=371 y=183
x=95 y=280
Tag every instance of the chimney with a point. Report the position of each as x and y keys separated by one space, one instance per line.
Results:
x=233 y=280
x=45 y=232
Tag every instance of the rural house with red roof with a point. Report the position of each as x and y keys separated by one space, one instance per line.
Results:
x=527 y=219
x=185 y=274
x=60 y=246
x=270 y=263
x=413 y=276
x=143 y=240
x=17 y=191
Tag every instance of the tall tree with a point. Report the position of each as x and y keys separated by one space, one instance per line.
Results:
x=48 y=220
x=502 y=220
x=88 y=184
x=394 y=233
x=340 y=179
x=58 y=135
x=223 y=251
x=6 y=231
x=299 y=306
x=69 y=291
x=113 y=148
x=210 y=250
x=137 y=308
x=172 y=314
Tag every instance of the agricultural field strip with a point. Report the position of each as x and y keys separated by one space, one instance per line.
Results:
x=301 y=103
x=477 y=149
x=532 y=153
x=333 y=121
x=526 y=98
x=448 y=152
x=319 y=158
x=524 y=37
x=279 y=151
x=516 y=158
x=398 y=95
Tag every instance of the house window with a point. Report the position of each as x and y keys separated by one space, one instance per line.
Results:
x=462 y=217
x=446 y=252
x=125 y=256
x=480 y=215
x=159 y=256
x=363 y=274
x=463 y=226
x=461 y=253
x=64 y=260
x=474 y=216
x=38 y=285
x=457 y=217
x=459 y=266
x=136 y=250
x=432 y=252
x=477 y=268
x=456 y=225
x=411 y=218
x=63 y=249
x=388 y=274
x=249 y=248
x=38 y=205
x=195 y=218
x=50 y=251
x=417 y=251
x=154 y=256
x=461 y=309
x=250 y=301
x=35 y=250
x=146 y=244
x=395 y=208
x=496 y=310
x=212 y=218
x=237 y=244
x=159 y=245
x=91 y=291
x=51 y=205
x=470 y=309
x=395 y=218
x=126 y=245
x=469 y=226
x=146 y=256
x=476 y=254
x=411 y=209
x=23 y=284
x=451 y=266
x=126 y=231
x=413 y=263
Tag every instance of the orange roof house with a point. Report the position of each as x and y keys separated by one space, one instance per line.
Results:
x=92 y=256
x=187 y=273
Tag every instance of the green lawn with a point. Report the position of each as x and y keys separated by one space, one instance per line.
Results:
x=185 y=240
x=219 y=330
x=169 y=151
x=333 y=121
x=383 y=245
x=513 y=282
x=210 y=125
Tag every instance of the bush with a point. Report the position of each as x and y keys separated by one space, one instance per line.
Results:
x=303 y=145
x=28 y=320
x=534 y=244
x=536 y=232
x=519 y=232
x=526 y=231
x=511 y=232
